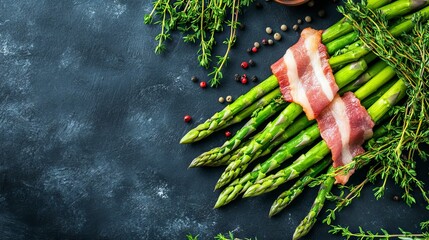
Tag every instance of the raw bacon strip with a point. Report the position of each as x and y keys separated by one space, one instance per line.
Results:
x=304 y=74
x=344 y=125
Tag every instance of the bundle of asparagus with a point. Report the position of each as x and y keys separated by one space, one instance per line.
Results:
x=373 y=78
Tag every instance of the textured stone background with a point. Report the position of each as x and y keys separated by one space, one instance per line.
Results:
x=90 y=120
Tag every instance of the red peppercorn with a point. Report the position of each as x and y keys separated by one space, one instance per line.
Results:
x=228 y=134
x=254 y=49
x=187 y=118
x=244 y=79
x=203 y=84
x=244 y=65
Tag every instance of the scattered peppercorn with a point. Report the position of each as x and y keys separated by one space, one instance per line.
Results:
x=267 y=0
x=277 y=36
x=307 y=19
x=221 y=99
x=242 y=26
x=254 y=79
x=237 y=77
x=295 y=27
x=194 y=79
x=264 y=41
x=251 y=62
x=396 y=198
x=259 y=5
x=254 y=49
x=228 y=134
x=203 y=84
x=270 y=42
x=244 y=65
x=229 y=98
x=334 y=1
x=243 y=79
x=310 y=4
x=256 y=44
x=299 y=21
x=268 y=30
x=249 y=50
x=187 y=118
x=321 y=13
x=283 y=27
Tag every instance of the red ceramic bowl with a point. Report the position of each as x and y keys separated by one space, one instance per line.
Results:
x=291 y=2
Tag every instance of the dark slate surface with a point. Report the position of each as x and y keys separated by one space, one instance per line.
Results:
x=90 y=120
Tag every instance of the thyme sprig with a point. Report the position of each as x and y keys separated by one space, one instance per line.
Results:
x=199 y=21
x=362 y=234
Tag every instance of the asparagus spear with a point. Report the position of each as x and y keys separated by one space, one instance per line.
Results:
x=309 y=220
x=285 y=198
x=220 y=118
x=320 y=150
x=274 y=96
x=364 y=78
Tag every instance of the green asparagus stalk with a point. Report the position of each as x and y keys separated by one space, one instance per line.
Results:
x=320 y=150
x=361 y=49
x=285 y=198
x=307 y=223
x=221 y=118
x=392 y=10
x=364 y=78
x=210 y=158
x=273 y=96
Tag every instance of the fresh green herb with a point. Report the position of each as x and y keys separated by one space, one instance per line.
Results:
x=199 y=21
x=220 y=236
x=362 y=234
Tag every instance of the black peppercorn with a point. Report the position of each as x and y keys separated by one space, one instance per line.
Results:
x=264 y=41
x=254 y=78
x=258 y=5
x=242 y=26
x=251 y=62
x=396 y=198
x=321 y=13
x=194 y=79
x=249 y=50
x=237 y=77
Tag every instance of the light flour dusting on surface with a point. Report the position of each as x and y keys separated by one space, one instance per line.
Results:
x=162 y=191
x=72 y=130
x=98 y=11
x=70 y=58
x=10 y=47
x=180 y=80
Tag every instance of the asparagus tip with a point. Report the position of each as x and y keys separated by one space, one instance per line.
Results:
x=190 y=137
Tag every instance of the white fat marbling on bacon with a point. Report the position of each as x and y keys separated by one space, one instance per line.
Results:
x=316 y=64
x=345 y=125
x=304 y=74
x=297 y=89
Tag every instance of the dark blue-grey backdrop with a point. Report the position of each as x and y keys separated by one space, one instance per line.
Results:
x=90 y=120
